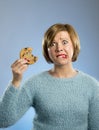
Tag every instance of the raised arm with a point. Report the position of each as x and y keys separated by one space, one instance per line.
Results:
x=18 y=67
x=15 y=100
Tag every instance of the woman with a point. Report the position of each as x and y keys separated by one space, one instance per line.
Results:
x=63 y=98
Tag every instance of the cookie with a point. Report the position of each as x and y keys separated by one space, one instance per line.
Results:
x=26 y=53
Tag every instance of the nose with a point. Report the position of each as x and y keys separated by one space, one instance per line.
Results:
x=59 y=48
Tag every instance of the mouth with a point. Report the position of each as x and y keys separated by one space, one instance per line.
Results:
x=61 y=56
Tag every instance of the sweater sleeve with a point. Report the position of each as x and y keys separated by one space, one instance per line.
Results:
x=13 y=104
x=94 y=109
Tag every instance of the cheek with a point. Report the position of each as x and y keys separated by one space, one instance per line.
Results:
x=49 y=52
x=69 y=49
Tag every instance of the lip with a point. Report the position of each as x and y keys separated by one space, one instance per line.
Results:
x=62 y=55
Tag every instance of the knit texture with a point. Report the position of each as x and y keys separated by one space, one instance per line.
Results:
x=59 y=103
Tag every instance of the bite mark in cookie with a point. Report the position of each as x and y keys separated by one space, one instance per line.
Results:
x=26 y=53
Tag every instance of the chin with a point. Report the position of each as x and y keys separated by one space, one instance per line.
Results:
x=61 y=63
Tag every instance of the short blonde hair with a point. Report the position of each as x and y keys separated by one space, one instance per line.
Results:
x=51 y=33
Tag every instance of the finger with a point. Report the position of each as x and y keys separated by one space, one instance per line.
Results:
x=19 y=66
x=23 y=68
x=19 y=62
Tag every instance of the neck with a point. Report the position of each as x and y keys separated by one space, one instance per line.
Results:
x=63 y=71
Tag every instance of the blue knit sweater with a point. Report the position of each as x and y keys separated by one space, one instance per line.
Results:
x=59 y=103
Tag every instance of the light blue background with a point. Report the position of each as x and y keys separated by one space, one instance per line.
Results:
x=23 y=23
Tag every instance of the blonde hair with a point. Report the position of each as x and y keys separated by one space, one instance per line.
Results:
x=51 y=33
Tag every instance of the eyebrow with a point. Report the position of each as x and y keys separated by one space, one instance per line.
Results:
x=62 y=38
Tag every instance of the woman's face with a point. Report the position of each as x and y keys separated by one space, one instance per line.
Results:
x=61 y=49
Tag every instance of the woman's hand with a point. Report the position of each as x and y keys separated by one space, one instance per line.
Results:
x=18 y=68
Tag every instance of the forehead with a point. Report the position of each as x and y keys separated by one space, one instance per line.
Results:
x=62 y=35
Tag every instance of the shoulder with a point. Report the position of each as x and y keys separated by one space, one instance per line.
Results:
x=88 y=79
x=90 y=83
x=36 y=78
x=88 y=76
x=39 y=75
x=32 y=83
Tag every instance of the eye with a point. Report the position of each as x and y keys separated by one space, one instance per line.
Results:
x=64 y=41
x=52 y=44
